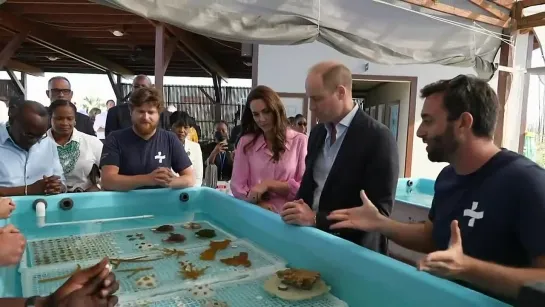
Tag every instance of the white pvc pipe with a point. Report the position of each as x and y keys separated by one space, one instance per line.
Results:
x=40 y=214
x=101 y=220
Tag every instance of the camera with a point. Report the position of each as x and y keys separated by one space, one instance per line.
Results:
x=219 y=137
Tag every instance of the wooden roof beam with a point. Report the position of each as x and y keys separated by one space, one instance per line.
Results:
x=508 y=4
x=170 y=37
x=9 y=50
x=189 y=43
x=55 y=40
x=531 y=21
x=24 y=67
x=489 y=7
x=448 y=9
x=528 y=3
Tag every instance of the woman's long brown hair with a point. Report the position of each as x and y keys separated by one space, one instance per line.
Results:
x=280 y=121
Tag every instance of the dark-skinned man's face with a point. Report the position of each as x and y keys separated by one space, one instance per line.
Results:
x=28 y=128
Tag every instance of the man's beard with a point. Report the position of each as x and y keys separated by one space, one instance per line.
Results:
x=145 y=129
x=441 y=147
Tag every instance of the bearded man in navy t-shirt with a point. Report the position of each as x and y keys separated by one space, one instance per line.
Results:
x=486 y=227
x=144 y=156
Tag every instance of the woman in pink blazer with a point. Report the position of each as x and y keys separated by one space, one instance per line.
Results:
x=269 y=160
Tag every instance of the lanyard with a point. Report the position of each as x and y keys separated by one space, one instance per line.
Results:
x=222 y=163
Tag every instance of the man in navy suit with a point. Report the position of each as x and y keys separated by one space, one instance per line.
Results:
x=346 y=139
x=119 y=117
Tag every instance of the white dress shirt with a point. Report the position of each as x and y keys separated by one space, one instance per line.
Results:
x=194 y=152
x=3 y=112
x=328 y=154
x=100 y=122
x=77 y=158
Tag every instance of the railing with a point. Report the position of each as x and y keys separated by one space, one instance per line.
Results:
x=198 y=102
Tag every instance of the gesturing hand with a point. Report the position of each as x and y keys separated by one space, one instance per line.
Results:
x=93 y=286
x=449 y=263
x=365 y=217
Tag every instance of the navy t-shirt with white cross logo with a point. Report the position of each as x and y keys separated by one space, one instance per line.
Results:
x=136 y=156
x=500 y=210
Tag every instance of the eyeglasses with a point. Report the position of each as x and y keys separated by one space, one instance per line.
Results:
x=26 y=135
x=138 y=86
x=64 y=91
x=304 y=124
x=32 y=137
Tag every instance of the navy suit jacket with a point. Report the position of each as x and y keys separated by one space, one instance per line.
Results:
x=367 y=160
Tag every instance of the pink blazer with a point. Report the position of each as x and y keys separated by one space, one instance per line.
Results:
x=255 y=165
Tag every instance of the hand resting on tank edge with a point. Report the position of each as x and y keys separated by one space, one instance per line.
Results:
x=13 y=246
x=6 y=207
x=161 y=176
x=54 y=185
x=258 y=193
x=298 y=213
x=46 y=186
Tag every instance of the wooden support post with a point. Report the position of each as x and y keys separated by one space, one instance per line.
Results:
x=159 y=56
x=115 y=86
x=18 y=85
x=514 y=123
x=217 y=91
x=255 y=65
x=171 y=45
x=188 y=44
x=205 y=93
x=504 y=85
x=24 y=83
x=529 y=48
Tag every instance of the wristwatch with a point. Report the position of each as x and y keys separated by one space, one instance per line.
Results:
x=45 y=301
x=31 y=301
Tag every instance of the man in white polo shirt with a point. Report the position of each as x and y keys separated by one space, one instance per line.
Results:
x=100 y=121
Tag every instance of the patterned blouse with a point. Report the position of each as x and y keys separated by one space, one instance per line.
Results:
x=77 y=158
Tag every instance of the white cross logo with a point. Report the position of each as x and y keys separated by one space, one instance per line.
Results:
x=473 y=214
x=159 y=157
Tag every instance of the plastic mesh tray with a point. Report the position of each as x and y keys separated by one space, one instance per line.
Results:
x=70 y=249
x=112 y=244
x=247 y=293
x=165 y=270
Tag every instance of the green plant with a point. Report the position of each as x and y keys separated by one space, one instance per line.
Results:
x=93 y=102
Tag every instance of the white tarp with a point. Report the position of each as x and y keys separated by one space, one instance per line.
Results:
x=380 y=31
